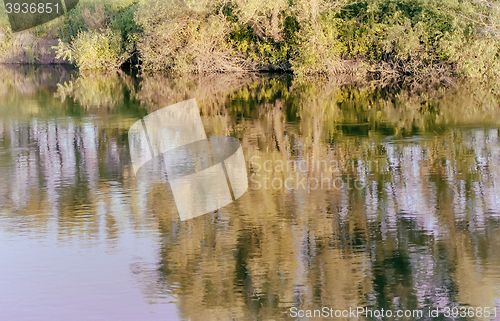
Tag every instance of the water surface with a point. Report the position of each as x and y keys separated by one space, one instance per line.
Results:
x=359 y=197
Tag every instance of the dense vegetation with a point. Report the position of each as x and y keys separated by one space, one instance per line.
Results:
x=416 y=41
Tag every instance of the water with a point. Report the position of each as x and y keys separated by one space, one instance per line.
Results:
x=358 y=197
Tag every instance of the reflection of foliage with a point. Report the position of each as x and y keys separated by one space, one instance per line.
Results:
x=57 y=90
x=95 y=91
x=26 y=90
x=210 y=91
x=241 y=263
x=364 y=109
x=420 y=231
x=379 y=245
x=326 y=108
x=281 y=248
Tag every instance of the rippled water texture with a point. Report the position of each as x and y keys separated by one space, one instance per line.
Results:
x=357 y=198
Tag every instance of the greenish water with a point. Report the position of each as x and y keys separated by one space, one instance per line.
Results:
x=392 y=200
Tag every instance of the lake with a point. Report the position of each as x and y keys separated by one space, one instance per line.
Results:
x=358 y=197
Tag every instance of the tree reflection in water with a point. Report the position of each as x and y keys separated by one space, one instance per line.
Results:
x=421 y=231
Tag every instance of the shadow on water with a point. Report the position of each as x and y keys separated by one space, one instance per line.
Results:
x=358 y=196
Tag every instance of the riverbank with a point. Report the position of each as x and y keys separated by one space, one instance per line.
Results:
x=416 y=43
x=26 y=48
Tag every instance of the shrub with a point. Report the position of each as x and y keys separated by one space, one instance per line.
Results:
x=183 y=38
x=476 y=50
x=123 y=21
x=413 y=41
x=263 y=32
x=93 y=50
x=421 y=41
x=99 y=36
x=216 y=35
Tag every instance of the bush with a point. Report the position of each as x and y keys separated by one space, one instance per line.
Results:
x=420 y=41
x=98 y=36
x=93 y=50
x=413 y=41
x=184 y=38
x=263 y=32
x=216 y=36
